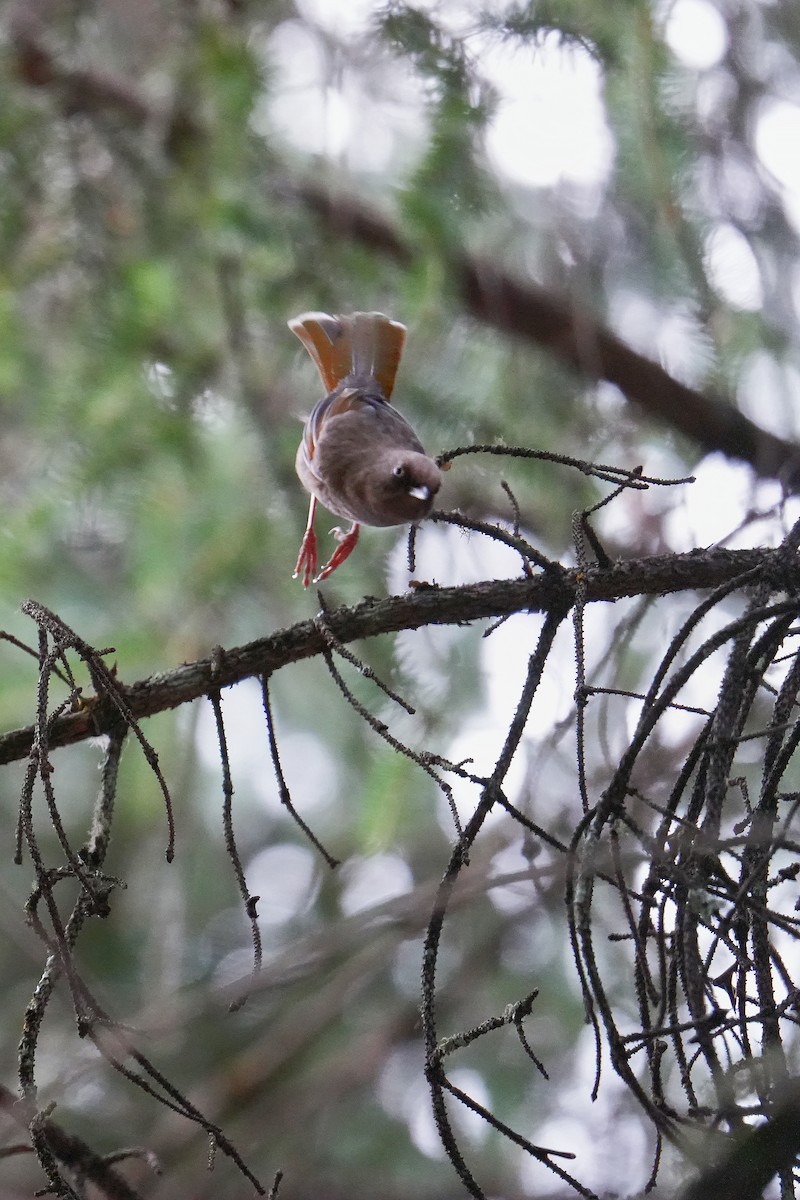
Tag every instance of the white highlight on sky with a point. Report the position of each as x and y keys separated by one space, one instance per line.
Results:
x=778 y=129
x=777 y=137
x=769 y=393
x=311 y=771
x=550 y=124
x=447 y=557
x=403 y=1093
x=349 y=19
x=324 y=108
x=671 y=335
x=606 y=1136
x=285 y=879
x=373 y=880
x=712 y=507
x=305 y=111
x=732 y=268
x=696 y=34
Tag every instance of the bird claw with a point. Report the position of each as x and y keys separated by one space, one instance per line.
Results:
x=347 y=543
x=307 y=558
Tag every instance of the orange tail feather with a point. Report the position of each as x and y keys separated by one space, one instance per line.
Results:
x=363 y=344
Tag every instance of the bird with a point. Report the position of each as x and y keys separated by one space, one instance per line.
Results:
x=358 y=456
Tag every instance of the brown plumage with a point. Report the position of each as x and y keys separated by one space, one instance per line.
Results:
x=358 y=456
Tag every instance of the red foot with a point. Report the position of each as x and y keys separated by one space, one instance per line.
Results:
x=307 y=558
x=347 y=544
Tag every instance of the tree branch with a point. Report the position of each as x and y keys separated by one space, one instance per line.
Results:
x=425 y=605
x=81 y=90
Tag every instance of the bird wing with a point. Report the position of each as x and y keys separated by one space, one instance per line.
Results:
x=389 y=426
x=338 y=402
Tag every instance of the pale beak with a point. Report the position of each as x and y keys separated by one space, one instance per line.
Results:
x=420 y=493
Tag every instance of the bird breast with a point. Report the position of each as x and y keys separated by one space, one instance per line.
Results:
x=369 y=466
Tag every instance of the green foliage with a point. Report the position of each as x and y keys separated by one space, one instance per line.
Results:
x=157 y=230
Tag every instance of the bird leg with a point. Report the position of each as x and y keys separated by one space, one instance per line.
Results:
x=347 y=544
x=307 y=558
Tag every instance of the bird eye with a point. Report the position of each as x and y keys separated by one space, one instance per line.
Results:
x=399 y=472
